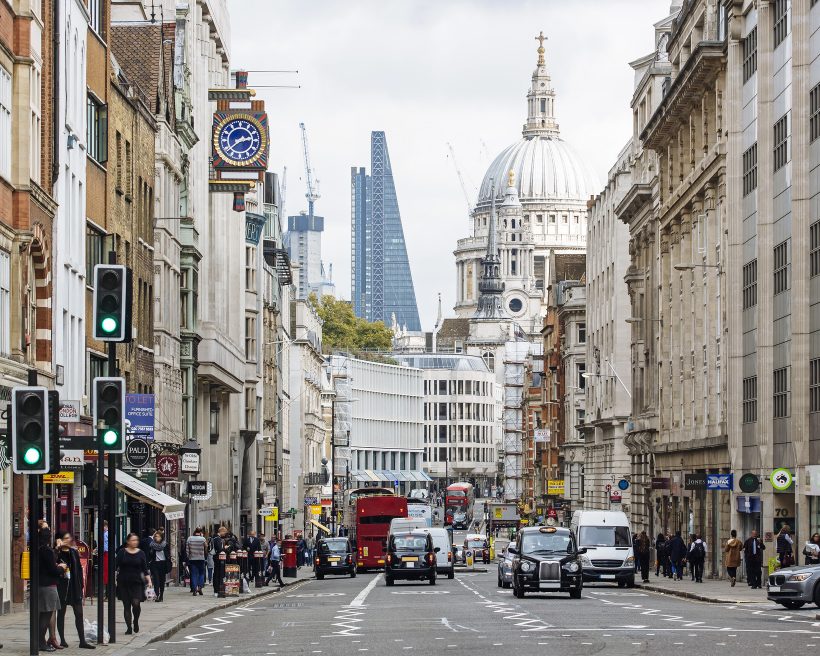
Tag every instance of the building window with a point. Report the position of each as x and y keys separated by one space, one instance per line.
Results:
x=781 y=21
x=35 y=142
x=814 y=385
x=97 y=368
x=94 y=252
x=250 y=338
x=97 y=127
x=95 y=13
x=750 y=284
x=582 y=332
x=814 y=113
x=5 y=303
x=5 y=124
x=750 y=399
x=250 y=408
x=781 y=142
x=781 y=267
x=750 y=170
x=250 y=268
x=749 y=54
x=489 y=360
x=780 y=399
x=814 y=249
x=582 y=368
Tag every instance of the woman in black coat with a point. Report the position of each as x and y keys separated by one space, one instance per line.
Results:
x=70 y=590
x=48 y=598
x=132 y=577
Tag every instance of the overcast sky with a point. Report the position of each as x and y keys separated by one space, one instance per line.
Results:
x=428 y=72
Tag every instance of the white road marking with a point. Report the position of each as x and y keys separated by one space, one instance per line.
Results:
x=359 y=600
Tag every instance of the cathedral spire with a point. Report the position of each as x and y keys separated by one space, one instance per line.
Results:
x=541 y=99
x=490 y=286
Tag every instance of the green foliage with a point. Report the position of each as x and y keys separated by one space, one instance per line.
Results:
x=342 y=330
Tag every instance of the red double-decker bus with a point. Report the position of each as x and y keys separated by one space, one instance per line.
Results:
x=368 y=514
x=459 y=499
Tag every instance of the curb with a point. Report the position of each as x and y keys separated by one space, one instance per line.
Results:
x=165 y=631
x=697 y=597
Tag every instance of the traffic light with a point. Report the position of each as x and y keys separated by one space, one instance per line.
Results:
x=112 y=303
x=54 y=431
x=30 y=444
x=109 y=408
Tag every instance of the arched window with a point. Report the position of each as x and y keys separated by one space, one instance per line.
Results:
x=489 y=360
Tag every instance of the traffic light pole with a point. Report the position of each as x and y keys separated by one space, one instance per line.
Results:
x=33 y=551
x=100 y=534
x=112 y=499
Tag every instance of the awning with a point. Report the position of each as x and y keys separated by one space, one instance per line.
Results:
x=321 y=527
x=133 y=487
x=373 y=476
x=360 y=476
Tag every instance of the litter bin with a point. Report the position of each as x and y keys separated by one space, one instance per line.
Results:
x=289 y=563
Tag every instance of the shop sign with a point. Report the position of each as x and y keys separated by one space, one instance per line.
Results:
x=167 y=466
x=660 y=483
x=69 y=412
x=71 y=458
x=694 y=481
x=60 y=478
x=316 y=510
x=200 y=490
x=542 y=435
x=719 y=482
x=749 y=483
x=555 y=487
x=310 y=501
x=189 y=463
x=137 y=453
x=781 y=479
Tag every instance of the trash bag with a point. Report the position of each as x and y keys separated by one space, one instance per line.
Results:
x=245 y=586
x=90 y=631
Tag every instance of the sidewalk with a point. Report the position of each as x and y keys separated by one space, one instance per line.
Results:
x=712 y=590
x=157 y=622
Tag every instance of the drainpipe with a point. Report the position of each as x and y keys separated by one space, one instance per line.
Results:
x=55 y=123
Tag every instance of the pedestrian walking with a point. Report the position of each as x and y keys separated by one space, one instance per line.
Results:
x=209 y=560
x=251 y=545
x=812 y=550
x=70 y=590
x=732 y=550
x=784 y=544
x=48 y=597
x=696 y=558
x=196 y=546
x=660 y=554
x=637 y=563
x=301 y=545
x=642 y=552
x=159 y=562
x=753 y=555
x=274 y=570
x=677 y=554
x=132 y=578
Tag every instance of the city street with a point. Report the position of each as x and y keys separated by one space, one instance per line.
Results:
x=471 y=614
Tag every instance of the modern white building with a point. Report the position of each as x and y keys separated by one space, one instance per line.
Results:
x=462 y=425
x=69 y=269
x=379 y=423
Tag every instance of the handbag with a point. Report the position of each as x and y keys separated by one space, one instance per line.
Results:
x=149 y=592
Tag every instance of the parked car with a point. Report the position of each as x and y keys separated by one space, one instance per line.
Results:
x=410 y=556
x=794 y=587
x=333 y=556
x=505 y=565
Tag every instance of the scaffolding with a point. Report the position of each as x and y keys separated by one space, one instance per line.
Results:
x=515 y=358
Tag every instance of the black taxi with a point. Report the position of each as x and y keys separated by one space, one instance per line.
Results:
x=410 y=556
x=333 y=556
x=546 y=559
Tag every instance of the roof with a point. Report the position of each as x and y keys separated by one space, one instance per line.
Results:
x=452 y=330
x=454 y=362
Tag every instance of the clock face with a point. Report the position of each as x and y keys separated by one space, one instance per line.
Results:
x=239 y=140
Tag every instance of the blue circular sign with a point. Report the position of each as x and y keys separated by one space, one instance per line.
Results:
x=623 y=484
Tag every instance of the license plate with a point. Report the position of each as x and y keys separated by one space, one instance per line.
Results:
x=334 y=564
x=774 y=588
x=549 y=586
x=607 y=577
x=409 y=564
x=333 y=560
x=409 y=559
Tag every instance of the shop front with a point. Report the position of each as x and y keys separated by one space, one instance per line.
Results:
x=812 y=487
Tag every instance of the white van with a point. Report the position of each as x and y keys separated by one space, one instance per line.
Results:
x=606 y=536
x=399 y=524
x=445 y=558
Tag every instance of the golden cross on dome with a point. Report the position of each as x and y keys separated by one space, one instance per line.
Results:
x=541 y=38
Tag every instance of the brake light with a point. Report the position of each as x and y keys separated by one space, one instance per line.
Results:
x=449 y=556
x=317 y=561
x=389 y=558
x=350 y=560
x=431 y=558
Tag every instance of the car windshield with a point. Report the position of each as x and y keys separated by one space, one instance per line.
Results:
x=475 y=544
x=333 y=546
x=411 y=542
x=605 y=536
x=532 y=543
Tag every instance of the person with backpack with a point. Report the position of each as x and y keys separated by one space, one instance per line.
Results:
x=660 y=555
x=696 y=558
x=732 y=550
x=642 y=549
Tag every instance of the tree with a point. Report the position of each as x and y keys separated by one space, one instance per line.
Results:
x=342 y=330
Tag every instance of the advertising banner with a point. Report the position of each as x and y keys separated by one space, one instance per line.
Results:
x=555 y=487
x=139 y=411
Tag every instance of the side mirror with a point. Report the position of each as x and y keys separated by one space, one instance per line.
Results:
x=581 y=551
x=437 y=549
x=511 y=549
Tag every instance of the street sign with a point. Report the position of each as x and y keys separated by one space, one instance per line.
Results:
x=311 y=501
x=137 y=453
x=555 y=487
x=395 y=483
x=265 y=511
x=623 y=484
x=781 y=479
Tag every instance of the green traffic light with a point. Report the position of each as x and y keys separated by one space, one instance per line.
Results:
x=109 y=325
x=32 y=455
x=110 y=437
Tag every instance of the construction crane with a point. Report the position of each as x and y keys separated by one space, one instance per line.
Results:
x=284 y=189
x=460 y=179
x=312 y=194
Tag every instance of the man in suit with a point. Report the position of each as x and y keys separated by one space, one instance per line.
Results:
x=753 y=554
x=251 y=545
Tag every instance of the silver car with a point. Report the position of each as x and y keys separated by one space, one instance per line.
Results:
x=505 y=576
x=794 y=587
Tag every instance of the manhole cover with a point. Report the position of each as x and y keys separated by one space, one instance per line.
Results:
x=286 y=604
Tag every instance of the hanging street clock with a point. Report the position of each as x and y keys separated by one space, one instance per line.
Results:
x=240 y=140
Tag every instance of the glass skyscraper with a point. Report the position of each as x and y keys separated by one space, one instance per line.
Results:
x=381 y=282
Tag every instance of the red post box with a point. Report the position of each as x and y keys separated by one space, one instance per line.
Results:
x=289 y=564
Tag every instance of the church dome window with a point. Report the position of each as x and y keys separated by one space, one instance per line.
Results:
x=515 y=305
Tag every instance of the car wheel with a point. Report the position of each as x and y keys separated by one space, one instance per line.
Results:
x=793 y=605
x=506 y=584
x=353 y=573
x=500 y=582
x=630 y=582
x=451 y=574
x=575 y=593
x=518 y=591
x=319 y=576
x=817 y=595
x=388 y=580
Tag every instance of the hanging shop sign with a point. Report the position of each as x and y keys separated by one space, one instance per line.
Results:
x=167 y=466
x=200 y=490
x=659 y=483
x=749 y=483
x=781 y=479
x=137 y=452
x=189 y=462
x=70 y=411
